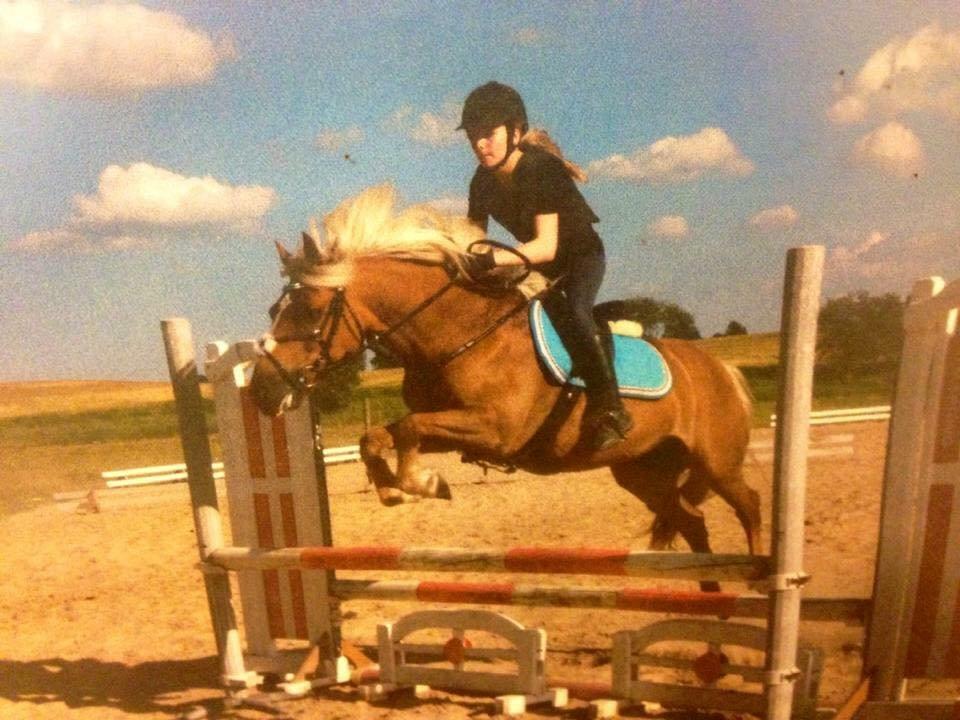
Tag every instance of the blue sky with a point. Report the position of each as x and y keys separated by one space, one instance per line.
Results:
x=151 y=153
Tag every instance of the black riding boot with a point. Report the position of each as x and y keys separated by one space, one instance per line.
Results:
x=606 y=420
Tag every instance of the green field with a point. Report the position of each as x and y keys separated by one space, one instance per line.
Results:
x=58 y=436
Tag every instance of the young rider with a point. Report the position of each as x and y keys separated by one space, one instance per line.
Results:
x=524 y=184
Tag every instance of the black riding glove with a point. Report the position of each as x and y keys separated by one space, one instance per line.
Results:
x=476 y=265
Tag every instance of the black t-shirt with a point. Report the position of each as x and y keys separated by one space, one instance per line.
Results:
x=540 y=185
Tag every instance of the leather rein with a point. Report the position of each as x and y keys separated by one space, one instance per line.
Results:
x=339 y=312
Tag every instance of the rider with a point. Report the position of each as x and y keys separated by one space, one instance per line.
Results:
x=524 y=184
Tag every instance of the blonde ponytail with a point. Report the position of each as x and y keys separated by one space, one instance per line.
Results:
x=539 y=139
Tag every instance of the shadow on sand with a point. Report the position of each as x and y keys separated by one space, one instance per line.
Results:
x=150 y=687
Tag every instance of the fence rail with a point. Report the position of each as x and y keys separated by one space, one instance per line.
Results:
x=845 y=415
x=177 y=472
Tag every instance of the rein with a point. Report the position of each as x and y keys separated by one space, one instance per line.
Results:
x=339 y=311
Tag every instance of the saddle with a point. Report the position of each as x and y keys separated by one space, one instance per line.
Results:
x=641 y=370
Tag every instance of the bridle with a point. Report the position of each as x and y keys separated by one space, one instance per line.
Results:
x=340 y=313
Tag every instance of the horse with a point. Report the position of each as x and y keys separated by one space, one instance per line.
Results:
x=376 y=278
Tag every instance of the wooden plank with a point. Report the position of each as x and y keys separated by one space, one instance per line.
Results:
x=854 y=702
x=177 y=472
x=902 y=557
x=911 y=710
x=693 y=697
x=151 y=470
x=852 y=611
x=573 y=561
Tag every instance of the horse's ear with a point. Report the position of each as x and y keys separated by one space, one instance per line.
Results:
x=283 y=253
x=311 y=249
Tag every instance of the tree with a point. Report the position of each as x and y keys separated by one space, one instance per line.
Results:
x=382 y=359
x=659 y=319
x=859 y=331
x=337 y=384
x=735 y=328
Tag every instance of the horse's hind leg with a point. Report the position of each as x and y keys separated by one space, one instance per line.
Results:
x=659 y=480
x=745 y=502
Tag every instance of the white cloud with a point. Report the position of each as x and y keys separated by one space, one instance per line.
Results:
x=863 y=260
x=75 y=240
x=141 y=206
x=429 y=128
x=330 y=140
x=775 y=218
x=847 y=110
x=102 y=49
x=526 y=36
x=893 y=148
x=399 y=118
x=438 y=129
x=885 y=262
x=845 y=255
x=921 y=72
x=677 y=159
x=669 y=226
x=142 y=194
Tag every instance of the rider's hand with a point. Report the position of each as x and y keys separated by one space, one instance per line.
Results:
x=476 y=265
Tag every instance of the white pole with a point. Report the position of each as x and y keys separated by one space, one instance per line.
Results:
x=178 y=341
x=798 y=338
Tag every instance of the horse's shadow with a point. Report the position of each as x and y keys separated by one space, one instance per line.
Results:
x=94 y=683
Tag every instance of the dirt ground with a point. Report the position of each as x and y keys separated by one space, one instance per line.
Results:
x=103 y=615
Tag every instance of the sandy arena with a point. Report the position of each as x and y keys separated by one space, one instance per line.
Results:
x=103 y=614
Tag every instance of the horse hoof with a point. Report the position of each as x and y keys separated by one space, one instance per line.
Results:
x=431 y=484
x=391 y=497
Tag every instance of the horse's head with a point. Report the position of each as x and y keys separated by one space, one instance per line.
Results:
x=314 y=328
x=314 y=323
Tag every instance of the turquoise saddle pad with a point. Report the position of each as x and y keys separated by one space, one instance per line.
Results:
x=641 y=369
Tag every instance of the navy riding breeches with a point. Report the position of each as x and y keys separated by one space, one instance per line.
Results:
x=571 y=309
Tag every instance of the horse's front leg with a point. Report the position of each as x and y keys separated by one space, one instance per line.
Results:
x=374 y=445
x=473 y=428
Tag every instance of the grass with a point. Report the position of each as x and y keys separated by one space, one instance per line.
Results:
x=136 y=422
x=868 y=388
x=58 y=436
x=745 y=351
x=69 y=396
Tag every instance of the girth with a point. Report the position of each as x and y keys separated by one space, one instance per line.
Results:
x=545 y=435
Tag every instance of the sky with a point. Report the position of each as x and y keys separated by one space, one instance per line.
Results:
x=151 y=153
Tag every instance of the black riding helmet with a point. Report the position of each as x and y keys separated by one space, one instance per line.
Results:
x=491 y=105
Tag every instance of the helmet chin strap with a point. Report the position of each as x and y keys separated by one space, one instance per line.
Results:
x=511 y=146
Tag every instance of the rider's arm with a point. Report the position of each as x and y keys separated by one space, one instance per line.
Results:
x=543 y=247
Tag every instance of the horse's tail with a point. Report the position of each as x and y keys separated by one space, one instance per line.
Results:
x=678 y=511
x=740 y=384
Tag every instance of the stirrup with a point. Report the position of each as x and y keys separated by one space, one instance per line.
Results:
x=609 y=428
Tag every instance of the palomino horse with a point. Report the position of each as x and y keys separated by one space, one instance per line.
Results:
x=472 y=380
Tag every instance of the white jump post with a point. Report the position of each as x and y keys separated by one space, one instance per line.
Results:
x=798 y=338
x=915 y=631
x=178 y=342
x=277 y=497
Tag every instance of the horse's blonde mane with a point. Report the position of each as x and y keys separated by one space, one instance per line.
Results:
x=368 y=226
